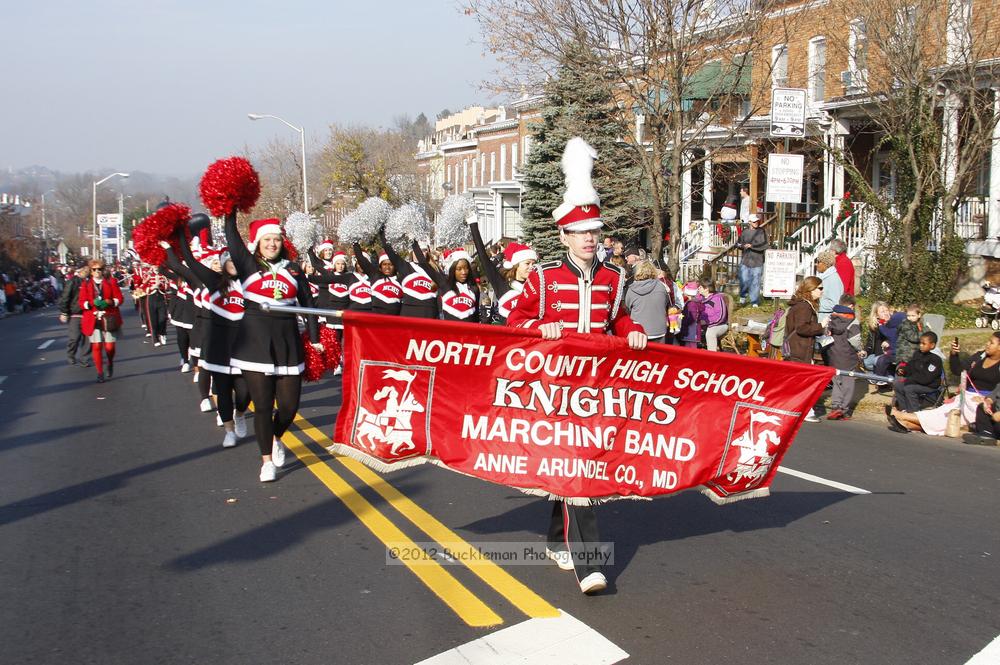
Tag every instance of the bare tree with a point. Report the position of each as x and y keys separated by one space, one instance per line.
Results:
x=687 y=73
x=279 y=164
x=362 y=162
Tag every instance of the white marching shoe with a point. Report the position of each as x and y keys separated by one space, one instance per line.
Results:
x=194 y=378
x=278 y=453
x=593 y=583
x=230 y=440
x=339 y=370
x=562 y=558
x=240 y=425
x=206 y=405
x=218 y=420
x=163 y=340
x=268 y=472
x=185 y=368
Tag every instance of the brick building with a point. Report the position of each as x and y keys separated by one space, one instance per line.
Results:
x=482 y=160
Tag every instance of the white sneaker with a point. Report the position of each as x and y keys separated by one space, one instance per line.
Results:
x=229 y=441
x=149 y=334
x=339 y=370
x=206 y=405
x=278 y=453
x=592 y=583
x=811 y=418
x=185 y=368
x=218 y=420
x=163 y=339
x=156 y=343
x=268 y=472
x=240 y=425
x=194 y=379
x=562 y=558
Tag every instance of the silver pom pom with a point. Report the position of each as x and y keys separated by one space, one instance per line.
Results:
x=407 y=222
x=303 y=231
x=450 y=227
x=371 y=216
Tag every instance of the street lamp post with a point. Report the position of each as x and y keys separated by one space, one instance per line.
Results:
x=93 y=238
x=302 y=140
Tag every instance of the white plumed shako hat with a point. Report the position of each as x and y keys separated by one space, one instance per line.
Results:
x=581 y=206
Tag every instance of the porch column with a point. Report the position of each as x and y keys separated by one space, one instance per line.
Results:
x=686 y=195
x=949 y=137
x=707 y=190
x=993 y=229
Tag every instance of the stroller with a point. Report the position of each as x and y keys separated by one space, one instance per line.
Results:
x=989 y=311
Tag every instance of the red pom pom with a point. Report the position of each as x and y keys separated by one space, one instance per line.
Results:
x=228 y=185
x=315 y=365
x=161 y=225
x=331 y=348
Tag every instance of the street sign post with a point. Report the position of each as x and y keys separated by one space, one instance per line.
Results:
x=788 y=112
x=779 y=273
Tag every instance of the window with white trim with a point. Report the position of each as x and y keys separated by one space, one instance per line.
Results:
x=779 y=66
x=857 y=52
x=465 y=174
x=503 y=161
x=513 y=160
x=493 y=167
x=482 y=170
x=959 y=23
x=817 y=69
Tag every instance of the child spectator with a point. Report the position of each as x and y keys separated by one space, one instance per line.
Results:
x=693 y=319
x=921 y=374
x=716 y=313
x=843 y=354
x=908 y=334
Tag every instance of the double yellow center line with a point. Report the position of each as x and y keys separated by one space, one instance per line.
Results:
x=471 y=609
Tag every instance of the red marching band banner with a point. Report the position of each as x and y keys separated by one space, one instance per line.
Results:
x=583 y=418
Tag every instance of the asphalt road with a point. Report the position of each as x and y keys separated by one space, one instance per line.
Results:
x=128 y=535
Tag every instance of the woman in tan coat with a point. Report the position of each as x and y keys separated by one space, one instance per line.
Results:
x=802 y=325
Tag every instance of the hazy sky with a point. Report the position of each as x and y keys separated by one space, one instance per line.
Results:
x=165 y=86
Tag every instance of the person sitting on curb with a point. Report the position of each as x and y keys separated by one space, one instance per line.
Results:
x=983 y=372
x=921 y=375
x=987 y=422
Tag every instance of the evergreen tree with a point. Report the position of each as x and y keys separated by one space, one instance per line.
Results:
x=576 y=105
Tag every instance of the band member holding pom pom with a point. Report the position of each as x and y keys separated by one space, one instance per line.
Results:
x=518 y=260
x=268 y=348
x=385 y=289
x=226 y=308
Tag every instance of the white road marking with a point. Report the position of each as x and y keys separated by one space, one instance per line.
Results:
x=563 y=640
x=988 y=656
x=822 y=481
x=45 y=345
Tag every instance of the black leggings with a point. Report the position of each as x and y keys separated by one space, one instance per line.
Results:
x=183 y=342
x=156 y=309
x=223 y=387
x=204 y=382
x=270 y=423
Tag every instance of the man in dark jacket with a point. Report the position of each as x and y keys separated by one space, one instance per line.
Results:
x=922 y=374
x=843 y=355
x=753 y=241
x=71 y=314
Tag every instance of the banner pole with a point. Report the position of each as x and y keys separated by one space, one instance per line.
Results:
x=294 y=309
x=866 y=375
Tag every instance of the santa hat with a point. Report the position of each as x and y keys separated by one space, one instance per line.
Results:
x=262 y=227
x=691 y=289
x=338 y=256
x=515 y=253
x=325 y=244
x=451 y=256
x=581 y=207
x=383 y=257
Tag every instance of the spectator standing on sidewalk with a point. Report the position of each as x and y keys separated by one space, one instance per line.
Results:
x=843 y=353
x=754 y=242
x=844 y=265
x=833 y=288
x=71 y=314
x=647 y=300
x=802 y=326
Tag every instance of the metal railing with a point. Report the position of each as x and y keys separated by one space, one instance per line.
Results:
x=972 y=217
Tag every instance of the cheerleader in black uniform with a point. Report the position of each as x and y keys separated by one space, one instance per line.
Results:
x=335 y=282
x=518 y=260
x=201 y=320
x=268 y=347
x=226 y=307
x=359 y=291
x=420 y=298
x=156 y=306
x=386 y=292
x=181 y=316
x=459 y=293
